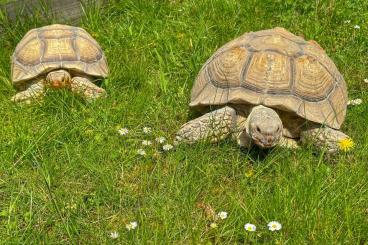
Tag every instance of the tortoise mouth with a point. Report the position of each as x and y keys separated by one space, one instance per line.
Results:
x=262 y=144
x=58 y=84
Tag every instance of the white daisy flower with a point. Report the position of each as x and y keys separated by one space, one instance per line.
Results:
x=250 y=227
x=347 y=21
x=274 y=226
x=146 y=142
x=131 y=226
x=160 y=140
x=141 y=152
x=365 y=80
x=357 y=27
x=114 y=234
x=355 y=102
x=146 y=130
x=222 y=215
x=167 y=147
x=123 y=131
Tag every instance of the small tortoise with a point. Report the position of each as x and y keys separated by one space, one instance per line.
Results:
x=269 y=87
x=57 y=56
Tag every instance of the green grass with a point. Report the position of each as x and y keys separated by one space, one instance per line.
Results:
x=66 y=176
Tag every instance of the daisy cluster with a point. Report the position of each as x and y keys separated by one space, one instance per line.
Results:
x=272 y=226
x=160 y=143
x=355 y=102
x=130 y=226
x=357 y=27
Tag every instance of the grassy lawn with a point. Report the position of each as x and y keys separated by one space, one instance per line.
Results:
x=67 y=176
x=6 y=1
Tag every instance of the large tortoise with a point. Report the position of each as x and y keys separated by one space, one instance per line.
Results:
x=269 y=87
x=57 y=56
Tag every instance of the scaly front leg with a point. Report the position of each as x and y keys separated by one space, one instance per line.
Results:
x=34 y=90
x=332 y=139
x=288 y=143
x=213 y=126
x=86 y=88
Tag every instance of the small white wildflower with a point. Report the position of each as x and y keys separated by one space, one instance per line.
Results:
x=355 y=102
x=160 y=140
x=146 y=142
x=365 y=80
x=146 y=130
x=222 y=215
x=114 y=234
x=123 y=131
x=250 y=227
x=357 y=27
x=347 y=21
x=131 y=226
x=213 y=225
x=167 y=147
x=141 y=152
x=274 y=226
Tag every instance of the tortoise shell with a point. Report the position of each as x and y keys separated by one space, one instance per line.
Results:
x=57 y=47
x=276 y=69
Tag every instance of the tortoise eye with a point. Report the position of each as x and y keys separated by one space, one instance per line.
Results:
x=258 y=130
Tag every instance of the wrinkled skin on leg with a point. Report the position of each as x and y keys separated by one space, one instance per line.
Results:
x=288 y=143
x=86 y=88
x=324 y=138
x=35 y=90
x=213 y=126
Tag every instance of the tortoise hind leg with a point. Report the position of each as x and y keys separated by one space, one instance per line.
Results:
x=35 y=90
x=332 y=139
x=86 y=88
x=215 y=125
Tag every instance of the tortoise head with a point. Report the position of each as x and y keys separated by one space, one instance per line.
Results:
x=265 y=126
x=58 y=79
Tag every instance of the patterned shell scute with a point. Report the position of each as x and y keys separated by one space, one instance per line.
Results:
x=277 y=69
x=57 y=47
